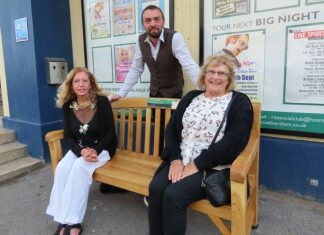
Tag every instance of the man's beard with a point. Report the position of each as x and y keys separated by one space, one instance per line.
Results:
x=155 y=34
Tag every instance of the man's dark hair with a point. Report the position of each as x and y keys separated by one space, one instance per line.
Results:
x=152 y=7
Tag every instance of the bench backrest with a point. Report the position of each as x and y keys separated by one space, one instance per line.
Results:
x=144 y=115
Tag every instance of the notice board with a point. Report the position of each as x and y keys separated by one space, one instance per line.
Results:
x=279 y=48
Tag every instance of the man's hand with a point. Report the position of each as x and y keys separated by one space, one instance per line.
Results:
x=114 y=97
x=175 y=170
x=189 y=169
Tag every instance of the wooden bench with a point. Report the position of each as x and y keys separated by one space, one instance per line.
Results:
x=136 y=160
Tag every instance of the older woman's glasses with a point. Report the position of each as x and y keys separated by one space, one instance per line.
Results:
x=221 y=74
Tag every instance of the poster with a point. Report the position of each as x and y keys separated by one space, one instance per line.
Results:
x=99 y=19
x=282 y=61
x=247 y=49
x=102 y=64
x=124 y=55
x=123 y=17
x=314 y=1
x=304 y=77
x=223 y=8
x=266 y=5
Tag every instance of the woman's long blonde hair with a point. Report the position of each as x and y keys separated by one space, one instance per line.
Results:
x=65 y=91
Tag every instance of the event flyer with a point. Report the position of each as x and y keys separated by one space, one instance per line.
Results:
x=123 y=17
x=146 y=3
x=304 y=77
x=266 y=5
x=247 y=49
x=230 y=7
x=314 y=1
x=99 y=19
x=124 y=55
x=102 y=64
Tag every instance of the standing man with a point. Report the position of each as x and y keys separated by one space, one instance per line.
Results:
x=165 y=53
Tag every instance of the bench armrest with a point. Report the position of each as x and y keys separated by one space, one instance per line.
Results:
x=54 y=143
x=242 y=164
x=54 y=136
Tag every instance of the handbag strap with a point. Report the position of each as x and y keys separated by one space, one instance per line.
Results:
x=217 y=132
x=223 y=120
x=202 y=184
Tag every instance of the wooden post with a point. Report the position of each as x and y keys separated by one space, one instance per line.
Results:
x=239 y=207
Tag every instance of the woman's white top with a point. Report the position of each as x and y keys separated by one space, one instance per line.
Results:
x=201 y=121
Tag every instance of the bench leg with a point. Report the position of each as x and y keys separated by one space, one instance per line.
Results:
x=239 y=208
x=255 y=171
x=220 y=225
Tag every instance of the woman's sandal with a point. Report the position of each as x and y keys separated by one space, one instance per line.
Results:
x=69 y=227
x=58 y=229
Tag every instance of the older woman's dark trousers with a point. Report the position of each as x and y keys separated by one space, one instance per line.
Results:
x=168 y=202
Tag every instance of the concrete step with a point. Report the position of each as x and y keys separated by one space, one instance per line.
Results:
x=18 y=167
x=12 y=151
x=6 y=136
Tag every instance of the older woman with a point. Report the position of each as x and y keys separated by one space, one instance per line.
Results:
x=89 y=131
x=188 y=144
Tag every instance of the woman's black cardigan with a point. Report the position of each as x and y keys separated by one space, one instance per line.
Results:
x=236 y=135
x=106 y=136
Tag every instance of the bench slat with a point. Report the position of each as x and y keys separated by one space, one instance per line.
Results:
x=167 y=117
x=135 y=177
x=122 y=124
x=115 y=113
x=138 y=130
x=147 y=131
x=139 y=167
x=130 y=129
x=130 y=103
x=157 y=122
x=134 y=182
x=125 y=184
x=148 y=159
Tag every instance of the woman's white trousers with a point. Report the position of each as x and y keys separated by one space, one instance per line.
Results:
x=72 y=181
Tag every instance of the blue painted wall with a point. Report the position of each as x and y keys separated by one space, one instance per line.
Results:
x=288 y=166
x=31 y=100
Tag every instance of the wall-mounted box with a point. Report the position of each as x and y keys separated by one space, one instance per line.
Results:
x=56 y=70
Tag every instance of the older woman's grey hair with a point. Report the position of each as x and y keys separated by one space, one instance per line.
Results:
x=214 y=61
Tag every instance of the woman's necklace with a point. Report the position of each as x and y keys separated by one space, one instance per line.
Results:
x=81 y=112
x=77 y=106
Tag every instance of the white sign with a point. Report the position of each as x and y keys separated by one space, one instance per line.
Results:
x=21 y=30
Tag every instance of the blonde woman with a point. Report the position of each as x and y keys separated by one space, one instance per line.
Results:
x=190 y=147
x=89 y=132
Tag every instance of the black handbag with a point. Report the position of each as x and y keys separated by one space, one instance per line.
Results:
x=216 y=183
x=217 y=186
